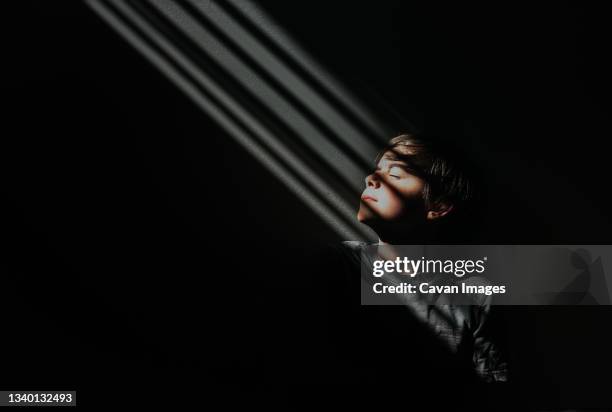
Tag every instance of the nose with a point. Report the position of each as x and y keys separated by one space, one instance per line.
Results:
x=372 y=180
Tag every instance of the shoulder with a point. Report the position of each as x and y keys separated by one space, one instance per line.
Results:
x=347 y=251
x=352 y=249
x=339 y=262
x=353 y=244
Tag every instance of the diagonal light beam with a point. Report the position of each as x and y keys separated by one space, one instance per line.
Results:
x=276 y=34
x=334 y=157
x=290 y=81
x=245 y=128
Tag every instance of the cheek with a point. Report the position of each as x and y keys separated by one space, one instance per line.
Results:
x=396 y=202
x=411 y=188
x=390 y=205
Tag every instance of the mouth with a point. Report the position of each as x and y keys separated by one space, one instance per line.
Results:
x=368 y=197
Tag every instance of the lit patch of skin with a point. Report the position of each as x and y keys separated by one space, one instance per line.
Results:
x=392 y=192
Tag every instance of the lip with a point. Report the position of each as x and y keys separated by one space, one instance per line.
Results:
x=368 y=197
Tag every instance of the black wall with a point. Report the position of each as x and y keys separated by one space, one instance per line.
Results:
x=121 y=198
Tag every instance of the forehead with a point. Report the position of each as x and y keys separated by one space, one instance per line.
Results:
x=395 y=156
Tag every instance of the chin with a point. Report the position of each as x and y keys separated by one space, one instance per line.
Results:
x=367 y=219
x=363 y=215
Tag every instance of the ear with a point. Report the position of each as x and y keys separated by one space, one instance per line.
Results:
x=438 y=210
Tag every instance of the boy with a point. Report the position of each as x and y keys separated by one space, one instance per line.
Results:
x=407 y=354
x=418 y=194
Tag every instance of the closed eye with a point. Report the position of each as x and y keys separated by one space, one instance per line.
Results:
x=397 y=172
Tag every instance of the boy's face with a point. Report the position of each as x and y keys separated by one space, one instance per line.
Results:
x=393 y=193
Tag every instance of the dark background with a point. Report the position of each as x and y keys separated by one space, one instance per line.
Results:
x=139 y=240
